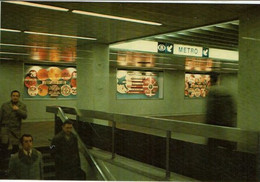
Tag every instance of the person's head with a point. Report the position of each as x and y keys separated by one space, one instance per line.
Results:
x=214 y=77
x=67 y=127
x=15 y=96
x=26 y=141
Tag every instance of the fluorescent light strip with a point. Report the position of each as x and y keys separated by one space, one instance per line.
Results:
x=14 y=53
x=115 y=17
x=18 y=45
x=7 y=58
x=59 y=35
x=9 y=30
x=37 y=5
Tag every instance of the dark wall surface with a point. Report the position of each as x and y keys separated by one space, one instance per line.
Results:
x=189 y=159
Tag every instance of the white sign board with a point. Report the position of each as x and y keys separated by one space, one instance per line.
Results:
x=187 y=50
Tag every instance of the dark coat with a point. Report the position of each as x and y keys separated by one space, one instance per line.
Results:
x=11 y=121
x=221 y=111
x=25 y=167
x=66 y=155
x=10 y=117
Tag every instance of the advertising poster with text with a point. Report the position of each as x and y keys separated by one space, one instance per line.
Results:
x=42 y=81
x=139 y=84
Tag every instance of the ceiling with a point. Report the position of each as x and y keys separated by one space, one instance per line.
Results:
x=193 y=24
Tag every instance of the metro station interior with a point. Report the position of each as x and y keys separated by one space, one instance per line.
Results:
x=134 y=77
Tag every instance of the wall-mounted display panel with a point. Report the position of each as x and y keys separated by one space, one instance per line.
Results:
x=53 y=54
x=139 y=84
x=198 y=64
x=135 y=59
x=42 y=81
x=196 y=85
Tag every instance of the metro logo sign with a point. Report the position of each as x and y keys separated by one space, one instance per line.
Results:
x=187 y=50
x=165 y=48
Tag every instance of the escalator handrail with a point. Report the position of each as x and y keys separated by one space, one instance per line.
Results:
x=63 y=117
x=197 y=129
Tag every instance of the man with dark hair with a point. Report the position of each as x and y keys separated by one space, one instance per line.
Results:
x=64 y=149
x=27 y=162
x=11 y=115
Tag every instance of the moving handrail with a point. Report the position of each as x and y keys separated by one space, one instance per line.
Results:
x=167 y=125
x=85 y=151
x=192 y=128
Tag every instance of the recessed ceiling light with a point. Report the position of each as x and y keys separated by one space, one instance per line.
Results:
x=14 y=53
x=6 y=58
x=115 y=17
x=28 y=46
x=59 y=35
x=38 y=5
x=9 y=30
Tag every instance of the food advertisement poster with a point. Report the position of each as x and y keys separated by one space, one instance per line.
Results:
x=196 y=85
x=42 y=81
x=139 y=84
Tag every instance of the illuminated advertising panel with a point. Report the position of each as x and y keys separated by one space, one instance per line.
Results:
x=198 y=64
x=135 y=59
x=50 y=81
x=196 y=85
x=139 y=84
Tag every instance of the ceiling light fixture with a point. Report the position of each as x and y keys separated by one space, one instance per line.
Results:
x=28 y=46
x=6 y=58
x=37 y=5
x=9 y=30
x=115 y=17
x=14 y=53
x=59 y=35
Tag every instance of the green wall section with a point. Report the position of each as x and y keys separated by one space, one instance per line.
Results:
x=12 y=79
x=249 y=67
x=93 y=78
x=173 y=102
x=96 y=88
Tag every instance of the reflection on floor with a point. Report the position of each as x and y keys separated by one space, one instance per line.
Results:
x=191 y=118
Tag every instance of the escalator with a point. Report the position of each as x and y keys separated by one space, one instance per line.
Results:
x=88 y=163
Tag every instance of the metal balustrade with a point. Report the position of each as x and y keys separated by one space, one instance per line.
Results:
x=167 y=125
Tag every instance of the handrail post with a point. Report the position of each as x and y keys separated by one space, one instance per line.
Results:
x=258 y=159
x=55 y=124
x=167 y=167
x=113 y=139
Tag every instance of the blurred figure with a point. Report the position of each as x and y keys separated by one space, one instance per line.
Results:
x=11 y=115
x=27 y=163
x=221 y=111
x=64 y=149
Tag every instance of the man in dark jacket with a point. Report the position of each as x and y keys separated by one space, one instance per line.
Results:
x=27 y=163
x=64 y=149
x=221 y=111
x=11 y=115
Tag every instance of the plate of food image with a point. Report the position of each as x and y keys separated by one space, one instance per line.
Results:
x=65 y=90
x=29 y=82
x=43 y=90
x=42 y=74
x=54 y=73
